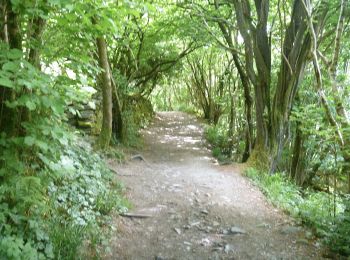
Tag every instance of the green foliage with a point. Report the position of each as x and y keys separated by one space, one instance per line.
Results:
x=137 y=113
x=325 y=213
x=58 y=209
x=218 y=138
x=339 y=239
x=54 y=193
x=84 y=194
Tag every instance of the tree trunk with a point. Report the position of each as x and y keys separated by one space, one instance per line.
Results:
x=248 y=102
x=106 y=87
x=297 y=150
x=118 y=124
x=9 y=118
x=296 y=47
x=258 y=50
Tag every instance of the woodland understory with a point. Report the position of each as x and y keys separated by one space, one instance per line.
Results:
x=270 y=78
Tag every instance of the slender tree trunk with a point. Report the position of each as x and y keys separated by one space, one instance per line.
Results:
x=118 y=123
x=106 y=86
x=248 y=101
x=262 y=53
x=9 y=118
x=297 y=150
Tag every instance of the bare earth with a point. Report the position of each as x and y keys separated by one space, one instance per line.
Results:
x=198 y=210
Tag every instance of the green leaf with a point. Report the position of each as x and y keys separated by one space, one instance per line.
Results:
x=15 y=54
x=10 y=66
x=29 y=140
x=5 y=82
x=30 y=105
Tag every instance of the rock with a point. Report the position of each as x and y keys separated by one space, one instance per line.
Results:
x=205 y=242
x=205 y=212
x=159 y=258
x=187 y=243
x=195 y=223
x=186 y=227
x=86 y=114
x=91 y=105
x=225 y=231
x=178 y=231
x=215 y=223
x=237 y=230
x=228 y=249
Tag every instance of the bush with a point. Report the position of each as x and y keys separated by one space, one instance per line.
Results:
x=339 y=239
x=220 y=142
x=50 y=214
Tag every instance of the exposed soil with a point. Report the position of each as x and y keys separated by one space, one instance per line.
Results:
x=198 y=209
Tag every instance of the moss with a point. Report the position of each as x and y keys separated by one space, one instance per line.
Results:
x=259 y=159
x=85 y=124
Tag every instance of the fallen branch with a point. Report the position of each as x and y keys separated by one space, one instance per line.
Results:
x=135 y=215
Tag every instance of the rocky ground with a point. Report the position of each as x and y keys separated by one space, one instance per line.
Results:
x=188 y=207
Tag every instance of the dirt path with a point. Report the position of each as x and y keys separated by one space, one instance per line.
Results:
x=199 y=210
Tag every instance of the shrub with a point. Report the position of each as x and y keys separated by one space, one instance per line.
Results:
x=220 y=142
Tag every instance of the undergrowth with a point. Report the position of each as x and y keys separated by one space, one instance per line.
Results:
x=325 y=213
x=56 y=208
x=221 y=145
x=56 y=194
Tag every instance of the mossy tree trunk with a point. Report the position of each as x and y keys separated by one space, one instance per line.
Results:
x=106 y=87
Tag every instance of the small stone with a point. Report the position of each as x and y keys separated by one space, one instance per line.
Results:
x=205 y=242
x=237 y=230
x=187 y=243
x=215 y=224
x=228 y=248
x=178 y=231
x=195 y=223
x=159 y=258
x=205 y=212
x=186 y=227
